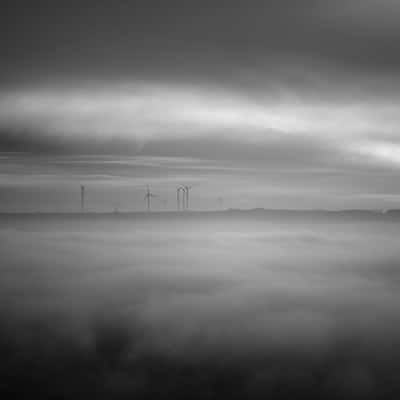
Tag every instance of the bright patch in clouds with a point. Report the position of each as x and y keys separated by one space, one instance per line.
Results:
x=149 y=110
x=388 y=153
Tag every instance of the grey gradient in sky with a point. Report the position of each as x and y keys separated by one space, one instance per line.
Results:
x=304 y=94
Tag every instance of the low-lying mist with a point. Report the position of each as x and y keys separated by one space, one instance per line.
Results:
x=199 y=308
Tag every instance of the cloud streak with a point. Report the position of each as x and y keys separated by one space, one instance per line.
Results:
x=147 y=112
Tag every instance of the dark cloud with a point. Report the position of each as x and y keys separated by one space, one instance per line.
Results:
x=202 y=40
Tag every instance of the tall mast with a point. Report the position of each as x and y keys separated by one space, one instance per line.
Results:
x=82 y=198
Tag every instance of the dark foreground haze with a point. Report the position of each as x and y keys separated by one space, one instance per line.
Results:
x=212 y=306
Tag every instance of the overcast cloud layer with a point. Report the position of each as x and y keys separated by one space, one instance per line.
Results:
x=275 y=85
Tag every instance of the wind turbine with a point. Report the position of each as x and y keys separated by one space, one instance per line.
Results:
x=82 y=198
x=186 y=191
x=180 y=201
x=148 y=197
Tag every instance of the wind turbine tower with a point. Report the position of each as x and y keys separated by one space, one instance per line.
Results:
x=82 y=198
x=180 y=198
x=148 y=197
x=186 y=191
x=183 y=199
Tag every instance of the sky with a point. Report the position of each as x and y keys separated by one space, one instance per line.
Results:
x=275 y=104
